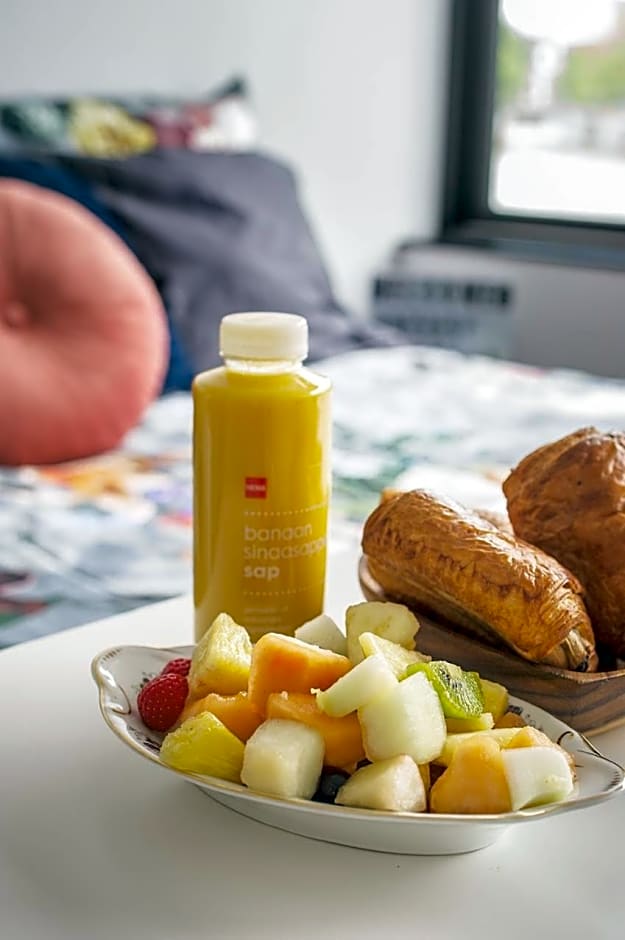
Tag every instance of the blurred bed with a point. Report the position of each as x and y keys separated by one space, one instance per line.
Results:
x=219 y=227
x=82 y=541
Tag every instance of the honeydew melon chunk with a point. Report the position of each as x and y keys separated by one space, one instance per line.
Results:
x=324 y=632
x=408 y=719
x=283 y=758
x=369 y=679
x=536 y=775
x=394 y=622
x=398 y=658
x=394 y=785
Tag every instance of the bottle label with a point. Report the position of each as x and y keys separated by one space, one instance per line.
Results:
x=256 y=487
x=283 y=561
x=274 y=542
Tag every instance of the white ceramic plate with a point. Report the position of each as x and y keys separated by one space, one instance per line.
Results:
x=120 y=672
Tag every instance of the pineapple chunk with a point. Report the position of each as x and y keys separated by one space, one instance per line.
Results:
x=483 y=722
x=396 y=656
x=322 y=631
x=221 y=660
x=536 y=775
x=203 y=745
x=408 y=719
x=501 y=735
x=369 y=679
x=390 y=621
x=475 y=781
x=394 y=785
x=283 y=758
x=495 y=698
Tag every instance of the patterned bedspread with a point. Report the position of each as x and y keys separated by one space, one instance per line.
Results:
x=81 y=541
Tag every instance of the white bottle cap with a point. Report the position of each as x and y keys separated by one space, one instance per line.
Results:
x=263 y=336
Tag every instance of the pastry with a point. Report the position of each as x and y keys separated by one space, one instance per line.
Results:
x=568 y=497
x=437 y=556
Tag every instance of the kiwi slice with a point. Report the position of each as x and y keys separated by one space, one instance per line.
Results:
x=460 y=692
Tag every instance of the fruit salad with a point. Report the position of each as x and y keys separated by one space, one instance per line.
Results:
x=358 y=718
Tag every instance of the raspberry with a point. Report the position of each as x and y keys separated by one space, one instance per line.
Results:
x=179 y=667
x=161 y=701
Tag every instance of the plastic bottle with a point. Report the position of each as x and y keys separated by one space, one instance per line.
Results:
x=261 y=464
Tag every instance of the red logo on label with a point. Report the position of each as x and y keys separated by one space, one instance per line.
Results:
x=256 y=487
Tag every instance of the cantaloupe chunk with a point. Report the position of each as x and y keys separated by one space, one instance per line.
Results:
x=475 y=781
x=342 y=736
x=284 y=664
x=235 y=711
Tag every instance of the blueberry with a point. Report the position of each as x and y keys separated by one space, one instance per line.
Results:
x=330 y=783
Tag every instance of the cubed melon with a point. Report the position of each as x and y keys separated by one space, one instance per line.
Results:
x=536 y=775
x=475 y=781
x=397 y=657
x=283 y=758
x=408 y=719
x=393 y=785
x=366 y=681
x=284 y=664
x=342 y=736
x=238 y=714
x=324 y=632
x=533 y=737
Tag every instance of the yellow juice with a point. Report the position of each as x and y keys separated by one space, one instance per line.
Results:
x=261 y=463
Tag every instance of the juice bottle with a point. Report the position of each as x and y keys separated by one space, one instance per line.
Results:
x=261 y=477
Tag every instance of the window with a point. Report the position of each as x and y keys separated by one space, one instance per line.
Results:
x=536 y=142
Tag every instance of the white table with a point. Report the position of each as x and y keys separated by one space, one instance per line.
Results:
x=97 y=843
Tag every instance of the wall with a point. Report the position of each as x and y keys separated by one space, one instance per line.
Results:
x=350 y=92
x=561 y=315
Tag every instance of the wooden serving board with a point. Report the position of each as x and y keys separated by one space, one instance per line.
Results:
x=588 y=702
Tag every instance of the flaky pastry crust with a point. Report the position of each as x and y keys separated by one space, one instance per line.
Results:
x=440 y=557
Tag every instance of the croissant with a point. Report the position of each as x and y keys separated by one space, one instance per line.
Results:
x=568 y=497
x=437 y=556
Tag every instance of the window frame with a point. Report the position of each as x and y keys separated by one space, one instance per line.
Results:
x=467 y=219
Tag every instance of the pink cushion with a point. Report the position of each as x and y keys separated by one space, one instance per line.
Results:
x=83 y=334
